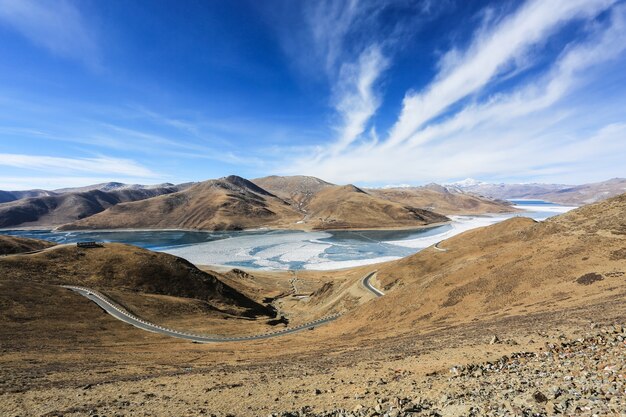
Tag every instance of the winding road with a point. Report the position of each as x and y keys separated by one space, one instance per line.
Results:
x=121 y=314
x=368 y=285
x=436 y=246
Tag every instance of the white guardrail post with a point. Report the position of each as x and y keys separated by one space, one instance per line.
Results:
x=125 y=313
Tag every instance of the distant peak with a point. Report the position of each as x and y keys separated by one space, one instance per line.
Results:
x=244 y=183
x=467 y=182
x=354 y=188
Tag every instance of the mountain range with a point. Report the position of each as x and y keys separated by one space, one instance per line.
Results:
x=295 y=202
x=557 y=193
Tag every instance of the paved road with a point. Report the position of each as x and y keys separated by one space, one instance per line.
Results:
x=121 y=314
x=438 y=248
x=369 y=286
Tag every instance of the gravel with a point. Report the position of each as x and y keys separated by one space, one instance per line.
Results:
x=582 y=377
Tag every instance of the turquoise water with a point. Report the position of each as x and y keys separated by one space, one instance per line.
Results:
x=287 y=249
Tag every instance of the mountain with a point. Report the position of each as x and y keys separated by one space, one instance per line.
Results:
x=7 y=196
x=61 y=208
x=297 y=190
x=230 y=203
x=349 y=207
x=234 y=203
x=557 y=193
x=116 y=186
x=441 y=199
x=127 y=268
x=12 y=244
x=518 y=267
x=587 y=193
x=329 y=206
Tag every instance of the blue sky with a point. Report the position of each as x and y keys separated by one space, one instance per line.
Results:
x=364 y=92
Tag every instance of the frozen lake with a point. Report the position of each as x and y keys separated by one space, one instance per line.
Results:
x=281 y=249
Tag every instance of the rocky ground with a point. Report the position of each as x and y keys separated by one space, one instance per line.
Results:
x=584 y=376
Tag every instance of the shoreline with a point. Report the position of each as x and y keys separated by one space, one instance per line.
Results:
x=268 y=229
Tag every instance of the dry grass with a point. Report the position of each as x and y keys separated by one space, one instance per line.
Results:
x=516 y=279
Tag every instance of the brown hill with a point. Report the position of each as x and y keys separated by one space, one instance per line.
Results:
x=349 y=207
x=515 y=268
x=7 y=196
x=442 y=200
x=297 y=190
x=12 y=244
x=52 y=210
x=557 y=193
x=230 y=203
x=328 y=206
x=118 y=267
x=234 y=203
x=587 y=193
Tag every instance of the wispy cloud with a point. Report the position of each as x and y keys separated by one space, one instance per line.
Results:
x=354 y=68
x=525 y=129
x=357 y=100
x=57 y=26
x=494 y=50
x=97 y=165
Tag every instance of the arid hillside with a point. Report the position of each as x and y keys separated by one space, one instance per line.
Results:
x=61 y=208
x=508 y=313
x=11 y=244
x=229 y=203
x=300 y=191
x=126 y=268
x=349 y=207
x=328 y=206
x=557 y=193
x=442 y=200
x=234 y=203
x=514 y=268
x=297 y=190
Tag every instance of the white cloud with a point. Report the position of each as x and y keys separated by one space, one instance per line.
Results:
x=357 y=100
x=353 y=70
x=492 y=51
x=97 y=165
x=55 y=25
x=330 y=22
x=543 y=128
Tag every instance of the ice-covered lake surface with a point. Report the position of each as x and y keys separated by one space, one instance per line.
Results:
x=282 y=249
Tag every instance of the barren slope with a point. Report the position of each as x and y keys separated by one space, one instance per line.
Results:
x=349 y=207
x=127 y=268
x=557 y=193
x=11 y=244
x=297 y=190
x=230 y=203
x=441 y=200
x=517 y=267
x=62 y=208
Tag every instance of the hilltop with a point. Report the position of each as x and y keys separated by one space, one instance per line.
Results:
x=119 y=267
x=297 y=190
x=445 y=200
x=516 y=267
x=12 y=244
x=557 y=193
x=234 y=203
x=230 y=203
x=74 y=204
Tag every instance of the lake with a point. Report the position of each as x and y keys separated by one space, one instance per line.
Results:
x=284 y=249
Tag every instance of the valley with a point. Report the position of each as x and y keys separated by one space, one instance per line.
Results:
x=476 y=301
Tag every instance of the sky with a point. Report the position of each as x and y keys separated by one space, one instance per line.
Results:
x=357 y=91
